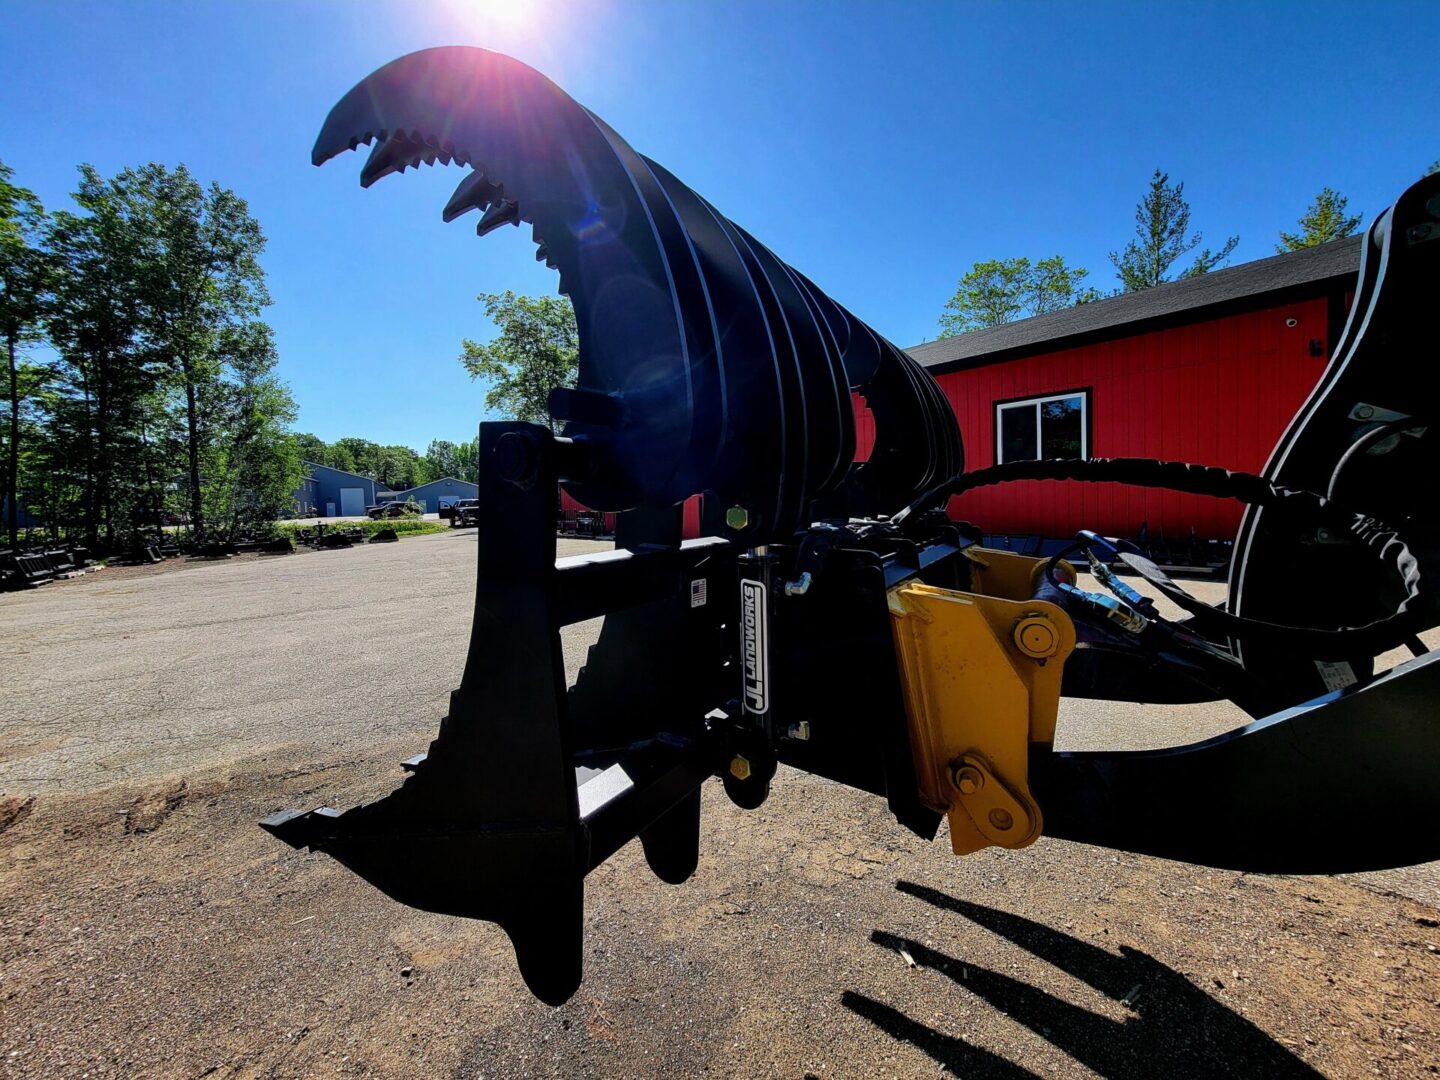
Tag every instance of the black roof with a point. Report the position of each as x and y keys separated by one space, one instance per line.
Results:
x=1175 y=301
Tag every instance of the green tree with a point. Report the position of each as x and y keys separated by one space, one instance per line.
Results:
x=355 y=455
x=107 y=384
x=1162 y=231
x=397 y=467
x=50 y=485
x=162 y=365
x=1323 y=221
x=253 y=468
x=203 y=292
x=991 y=293
x=1053 y=286
x=467 y=460
x=999 y=291
x=1432 y=170
x=441 y=459
x=25 y=272
x=311 y=448
x=537 y=350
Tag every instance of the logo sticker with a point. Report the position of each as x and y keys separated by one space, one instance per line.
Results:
x=697 y=592
x=755 y=628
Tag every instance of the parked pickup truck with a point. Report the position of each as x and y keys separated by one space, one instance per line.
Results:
x=387 y=510
x=465 y=514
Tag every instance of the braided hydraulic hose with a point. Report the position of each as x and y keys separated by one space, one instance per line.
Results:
x=1371 y=638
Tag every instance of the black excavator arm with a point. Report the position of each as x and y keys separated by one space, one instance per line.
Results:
x=834 y=618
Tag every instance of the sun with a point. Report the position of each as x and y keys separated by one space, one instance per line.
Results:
x=545 y=33
x=480 y=16
x=513 y=13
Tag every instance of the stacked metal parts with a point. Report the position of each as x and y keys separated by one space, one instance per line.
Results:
x=707 y=365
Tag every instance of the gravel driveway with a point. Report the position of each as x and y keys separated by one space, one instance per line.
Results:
x=149 y=717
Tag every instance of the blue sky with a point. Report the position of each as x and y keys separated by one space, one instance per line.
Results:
x=882 y=148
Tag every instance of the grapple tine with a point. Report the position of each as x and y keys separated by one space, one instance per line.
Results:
x=681 y=315
x=494 y=822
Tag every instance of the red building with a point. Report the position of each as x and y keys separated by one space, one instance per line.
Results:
x=1208 y=370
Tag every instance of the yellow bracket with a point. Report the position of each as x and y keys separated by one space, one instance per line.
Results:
x=981 y=677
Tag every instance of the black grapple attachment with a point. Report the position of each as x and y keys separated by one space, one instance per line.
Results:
x=834 y=618
x=707 y=366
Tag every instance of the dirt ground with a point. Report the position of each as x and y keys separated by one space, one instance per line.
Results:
x=149 y=928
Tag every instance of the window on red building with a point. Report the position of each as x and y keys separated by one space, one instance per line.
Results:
x=1056 y=426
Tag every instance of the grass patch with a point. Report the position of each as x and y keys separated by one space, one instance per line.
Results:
x=402 y=526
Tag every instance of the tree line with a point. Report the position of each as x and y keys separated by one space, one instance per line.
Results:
x=141 y=387
x=998 y=291
x=396 y=467
x=141 y=382
x=536 y=348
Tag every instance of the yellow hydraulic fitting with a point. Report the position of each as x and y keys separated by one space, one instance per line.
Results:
x=981 y=678
x=740 y=767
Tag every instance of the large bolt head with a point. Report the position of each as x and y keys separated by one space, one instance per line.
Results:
x=740 y=767
x=969 y=780
x=515 y=457
x=737 y=518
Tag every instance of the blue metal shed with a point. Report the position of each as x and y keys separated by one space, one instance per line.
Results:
x=443 y=492
x=335 y=492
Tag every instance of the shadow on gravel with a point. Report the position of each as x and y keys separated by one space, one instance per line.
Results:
x=956 y=1055
x=1176 y=1029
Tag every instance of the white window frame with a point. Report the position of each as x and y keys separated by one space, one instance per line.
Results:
x=1034 y=404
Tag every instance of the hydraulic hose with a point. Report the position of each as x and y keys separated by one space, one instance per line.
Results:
x=1347 y=641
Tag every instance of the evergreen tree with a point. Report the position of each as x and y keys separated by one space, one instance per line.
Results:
x=1162 y=236
x=1323 y=221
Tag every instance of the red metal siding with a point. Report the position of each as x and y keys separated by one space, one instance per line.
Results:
x=570 y=506
x=689 y=530
x=1218 y=392
x=691 y=526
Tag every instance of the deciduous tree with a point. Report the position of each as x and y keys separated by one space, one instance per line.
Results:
x=203 y=292
x=998 y=291
x=25 y=278
x=536 y=350
x=252 y=471
x=441 y=459
x=109 y=381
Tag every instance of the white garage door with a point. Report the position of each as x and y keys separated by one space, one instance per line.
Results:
x=352 y=501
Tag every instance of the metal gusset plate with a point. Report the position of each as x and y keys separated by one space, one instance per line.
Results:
x=1344 y=783
x=707 y=365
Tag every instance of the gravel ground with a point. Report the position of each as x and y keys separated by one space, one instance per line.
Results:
x=149 y=716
